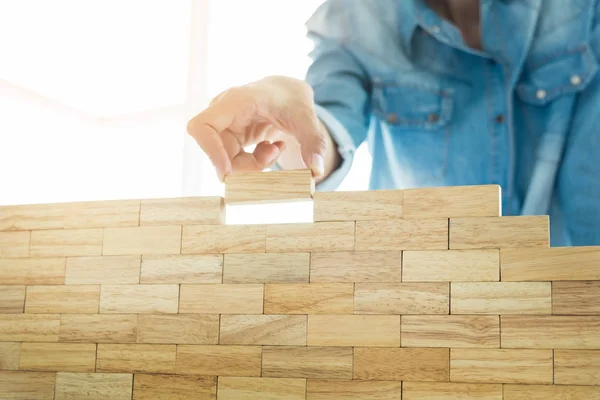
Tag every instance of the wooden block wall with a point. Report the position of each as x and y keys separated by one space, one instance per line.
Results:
x=415 y=295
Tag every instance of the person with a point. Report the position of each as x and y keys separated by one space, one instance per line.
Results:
x=445 y=93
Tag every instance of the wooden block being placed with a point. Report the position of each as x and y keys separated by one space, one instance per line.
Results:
x=406 y=364
x=267 y=187
x=98 y=328
x=359 y=205
x=550 y=392
x=32 y=271
x=221 y=299
x=322 y=389
x=219 y=360
x=417 y=234
x=127 y=299
x=307 y=362
x=133 y=358
x=213 y=239
x=142 y=240
x=401 y=298
x=577 y=367
x=309 y=298
x=574 y=298
x=107 y=270
x=551 y=264
x=29 y=327
x=354 y=330
x=275 y=330
x=14 y=244
x=367 y=266
x=501 y=297
x=499 y=232
x=66 y=357
x=450 y=391
x=451 y=266
x=172 y=387
x=10 y=354
x=203 y=268
x=238 y=388
x=71 y=385
x=16 y=385
x=457 y=331
x=178 y=329
x=66 y=242
x=184 y=210
x=64 y=299
x=316 y=236
x=501 y=366
x=12 y=299
x=266 y=268
x=550 y=332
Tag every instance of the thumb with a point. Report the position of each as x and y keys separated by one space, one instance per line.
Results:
x=311 y=134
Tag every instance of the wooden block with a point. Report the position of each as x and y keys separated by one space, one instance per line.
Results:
x=107 y=270
x=316 y=236
x=29 y=327
x=219 y=360
x=307 y=362
x=401 y=234
x=66 y=242
x=401 y=298
x=322 y=389
x=450 y=391
x=204 y=268
x=550 y=392
x=142 y=240
x=451 y=266
x=32 y=271
x=133 y=358
x=501 y=297
x=577 y=367
x=575 y=298
x=14 y=244
x=267 y=187
x=551 y=264
x=358 y=205
x=98 y=328
x=66 y=357
x=499 y=232
x=366 y=266
x=10 y=354
x=27 y=385
x=309 y=298
x=501 y=366
x=71 y=385
x=221 y=299
x=354 y=330
x=276 y=330
x=410 y=364
x=238 y=388
x=172 y=387
x=65 y=299
x=97 y=214
x=178 y=329
x=457 y=331
x=453 y=202
x=551 y=332
x=266 y=268
x=127 y=299
x=185 y=210
x=12 y=299
x=211 y=239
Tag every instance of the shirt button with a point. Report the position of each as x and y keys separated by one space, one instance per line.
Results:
x=392 y=118
x=575 y=80
x=499 y=118
x=541 y=94
x=433 y=118
x=435 y=29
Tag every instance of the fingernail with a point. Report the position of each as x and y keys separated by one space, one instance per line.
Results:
x=275 y=155
x=318 y=164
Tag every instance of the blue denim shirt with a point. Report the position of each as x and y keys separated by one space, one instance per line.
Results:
x=524 y=113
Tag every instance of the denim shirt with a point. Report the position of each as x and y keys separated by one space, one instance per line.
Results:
x=524 y=113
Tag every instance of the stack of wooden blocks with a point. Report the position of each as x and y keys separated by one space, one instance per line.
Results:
x=417 y=294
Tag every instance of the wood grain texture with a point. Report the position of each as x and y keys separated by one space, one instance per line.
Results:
x=10 y=354
x=401 y=234
x=213 y=239
x=16 y=385
x=66 y=242
x=221 y=299
x=65 y=357
x=354 y=330
x=219 y=360
x=98 y=328
x=107 y=270
x=501 y=297
x=551 y=392
x=70 y=386
x=174 y=387
x=335 y=389
x=29 y=327
x=142 y=240
x=203 y=268
x=133 y=358
x=311 y=237
x=456 y=331
x=577 y=367
x=32 y=271
x=266 y=268
x=178 y=329
x=357 y=205
x=450 y=391
x=551 y=332
x=575 y=298
x=406 y=364
x=501 y=366
x=65 y=299
x=366 y=266
x=127 y=299
x=499 y=232
x=451 y=266
x=184 y=210
x=268 y=187
x=401 y=298
x=276 y=330
x=307 y=362
x=310 y=298
x=239 y=388
x=12 y=299
x=14 y=244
